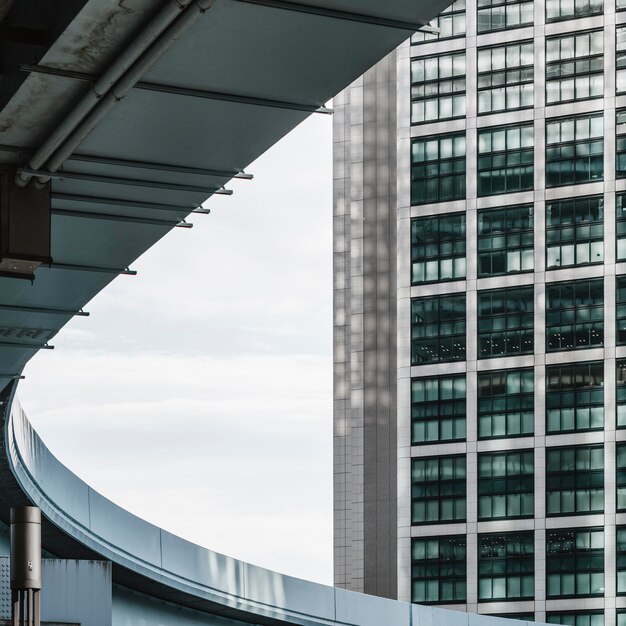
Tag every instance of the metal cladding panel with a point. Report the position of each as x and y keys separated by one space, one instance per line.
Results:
x=358 y=608
x=293 y=594
x=196 y=564
x=78 y=592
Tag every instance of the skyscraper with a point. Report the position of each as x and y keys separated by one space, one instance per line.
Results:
x=480 y=315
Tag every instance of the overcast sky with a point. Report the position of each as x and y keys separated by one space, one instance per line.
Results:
x=198 y=394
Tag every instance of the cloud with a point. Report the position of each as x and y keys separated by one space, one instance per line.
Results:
x=199 y=394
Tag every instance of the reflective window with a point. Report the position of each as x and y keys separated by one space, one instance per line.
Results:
x=505 y=77
x=620 y=310
x=437 y=87
x=574 y=315
x=574 y=232
x=438 y=248
x=439 y=569
x=575 y=397
x=567 y=9
x=575 y=562
x=574 y=150
x=620 y=145
x=438 y=329
x=620 y=213
x=620 y=550
x=506 y=484
x=506 y=403
x=505 y=322
x=438 y=169
x=502 y=14
x=438 y=409
x=576 y=618
x=575 y=480
x=438 y=489
x=620 y=454
x=620 y=56
x=506 y=566
x=505 y=159
x=505 y=240
x=620 y=393
x=574 y=66
x=450 y=23
x=525 y=617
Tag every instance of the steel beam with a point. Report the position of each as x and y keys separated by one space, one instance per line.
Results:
x=120 y=218
x=43 y=310
x=185 y=91
x=348 y=16
x=126 y=203
x=132 y=182
x=91 y=268
x=29 y=346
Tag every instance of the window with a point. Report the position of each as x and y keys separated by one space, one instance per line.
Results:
x=620 y=310
x=525 y=617
x=438 y=409
x=439 y=569
x=574 y=150
x=505 y=240
x=574 y=66
x=506 y=484
x=506 y=403
x=620 y=146
x=621 y=476
x=620 y=393
x=620 y=212
x=575 y=232
x=505 y=322
x=575 y=480
x=575 y=397
x=620 y=550
x=438 y=248
x=438 y=489
x=506 y=566
x=621 y=615
x=438 y=329
x=505 y=159
x=575 y=562
x=501 y=14
x=620 y=55
x=505 y=77
x=437 y=87
x=567 y=9
x=450 y=22
x=438 y=169
x=574 y=315
x=576 y=618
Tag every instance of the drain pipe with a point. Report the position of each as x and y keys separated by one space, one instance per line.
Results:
x=148 y=39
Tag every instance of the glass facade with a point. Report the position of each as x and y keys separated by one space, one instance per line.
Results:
x=565 y=10
x=620 y=455
x=506 y=403
x=574 y=480
x=620 y=215
x=439 y=569
x=574 y=150
x=574 y=232
x=576 y=618
x=500 y=14
x=620 y=55
x=438 y=248
x=450 y=23
x=506 y=484
x=438 y=87
x=575 y=562
x=505 y=322
x=620 y=144
x=574 y=66
x=505 y=77
x=505 y=159
x=438 y=169
x=438 y=409
x=575 y=397
x=505 y=240
x=620 y=393
x=506 y=566
x=574 y=315
x=438 y=329
x=620 y=549
x=438 y=490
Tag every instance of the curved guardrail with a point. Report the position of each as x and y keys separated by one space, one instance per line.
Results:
x=245 y=590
